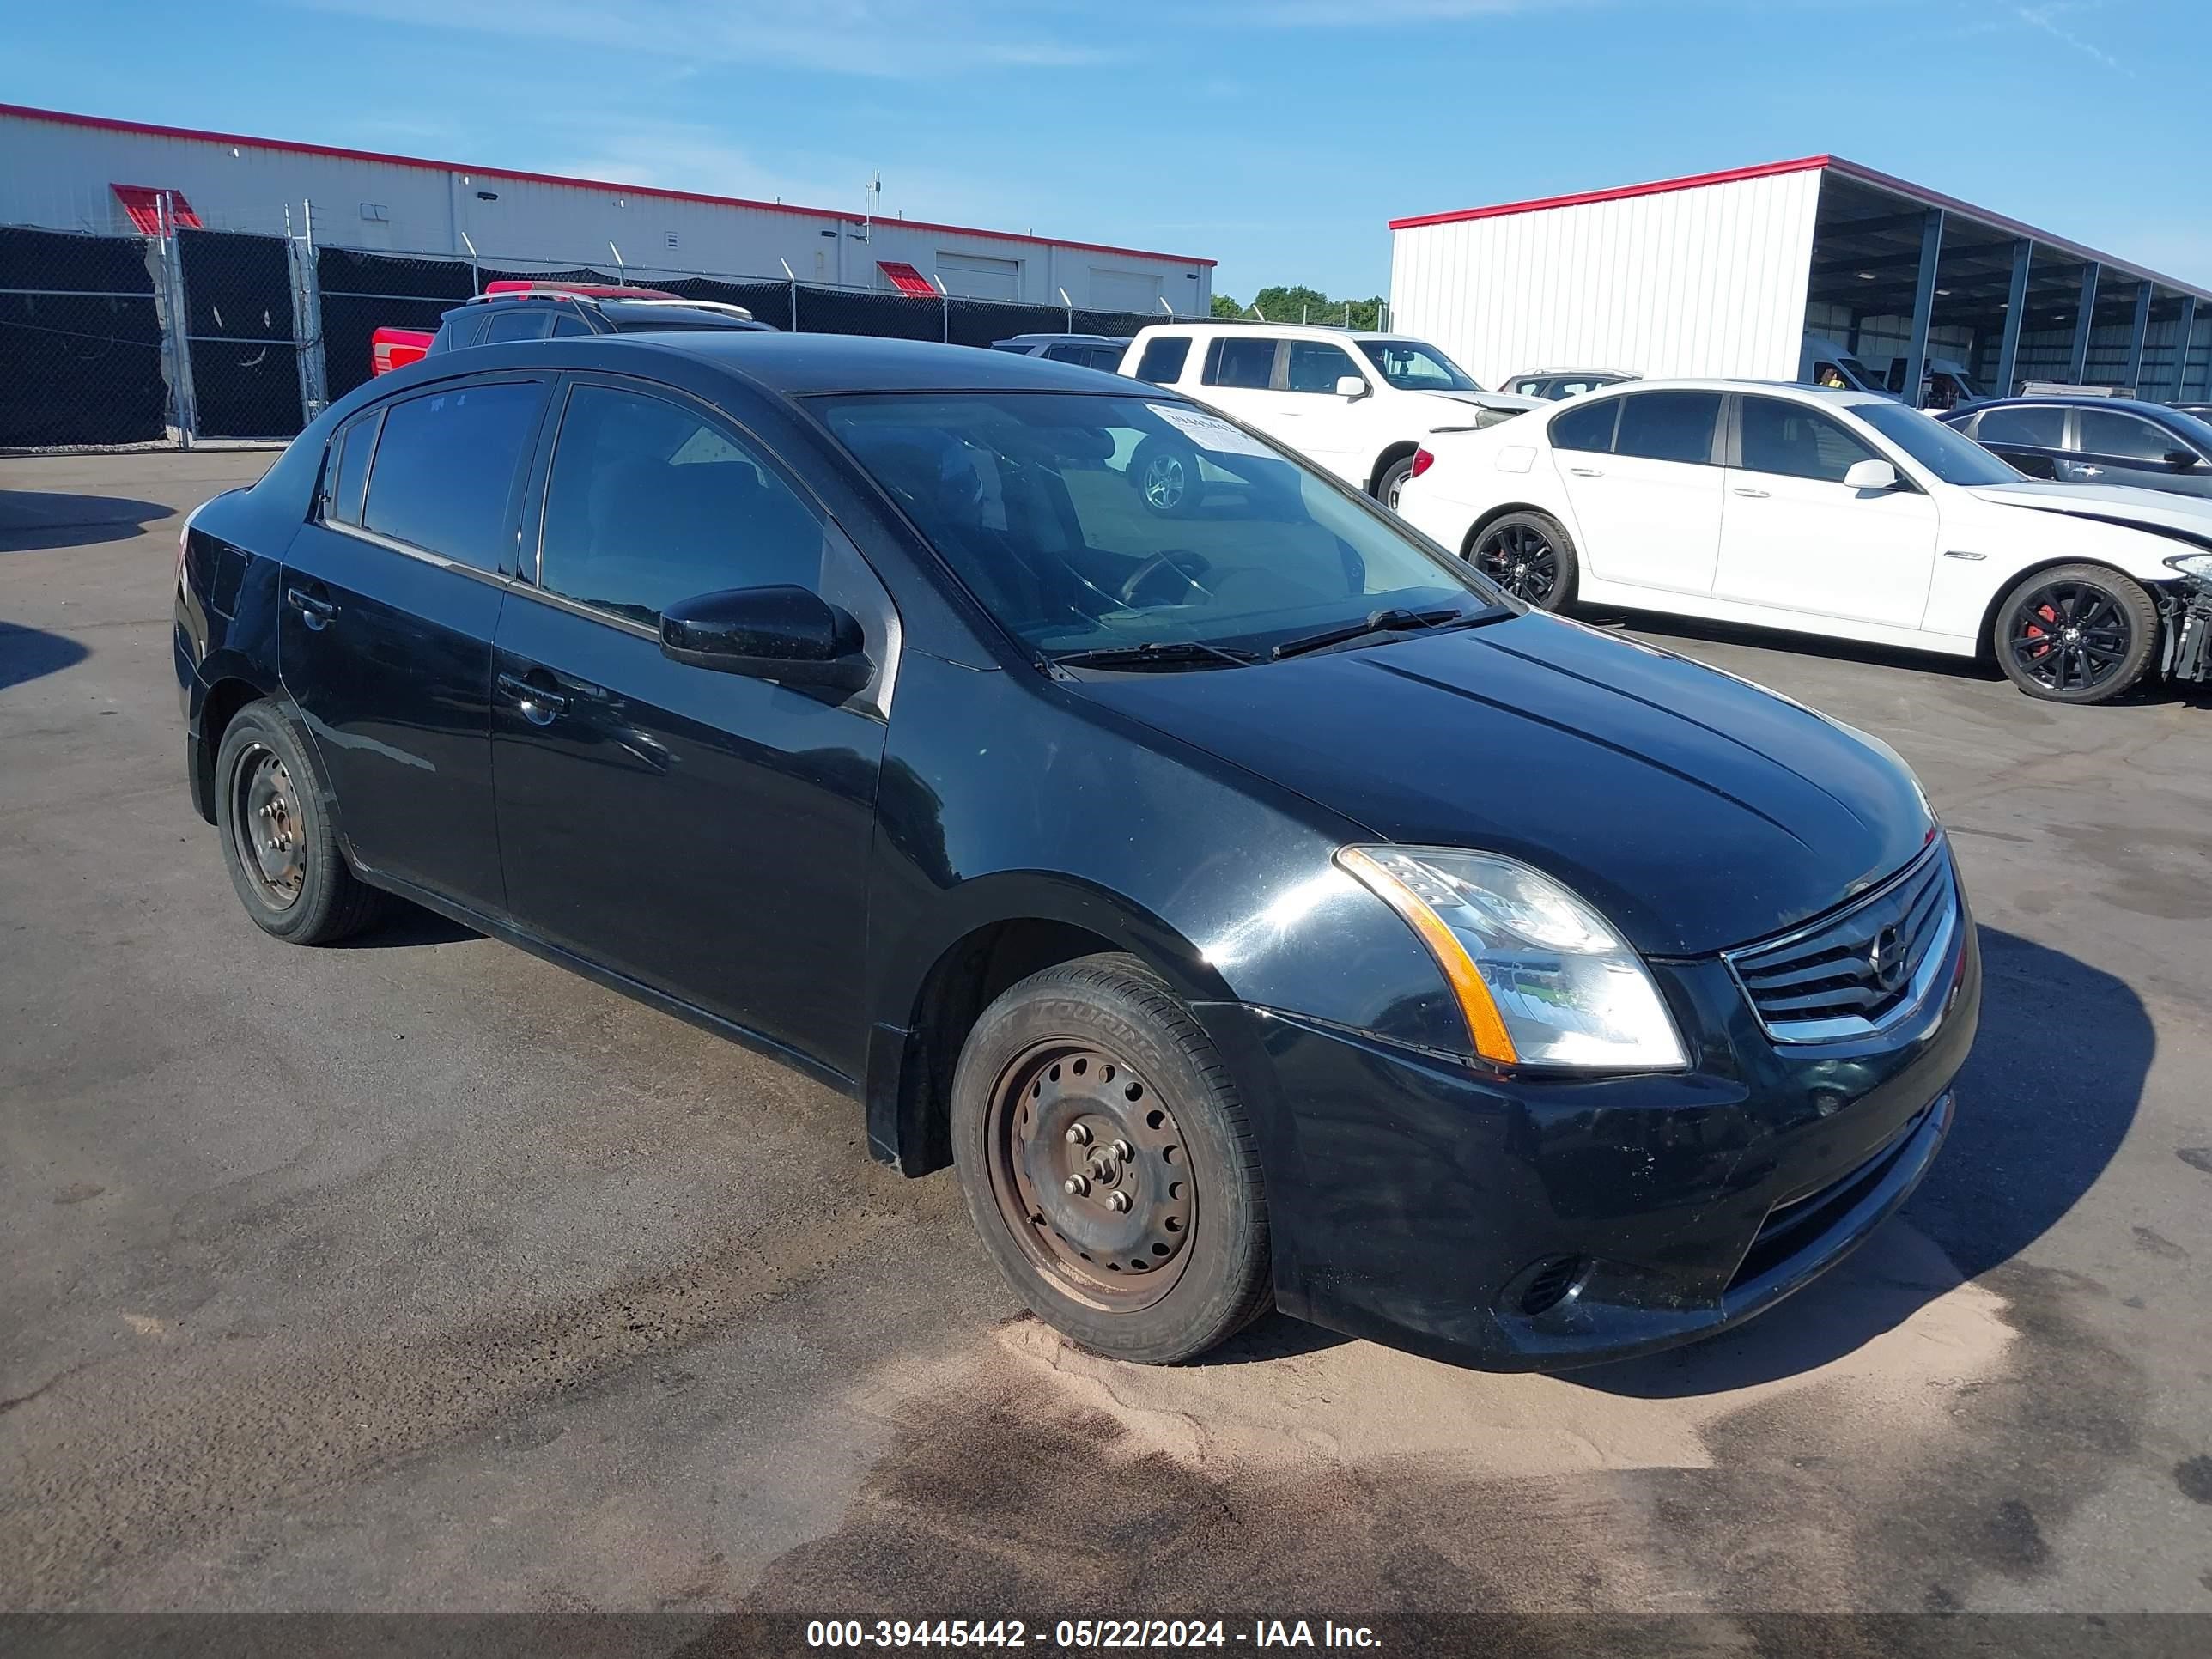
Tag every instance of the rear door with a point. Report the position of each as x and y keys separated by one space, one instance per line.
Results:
x=702 y=833
x=2113 y=446
x=391 y=595
x=1642 y=473
x=1795 y=538
x=1237 y=377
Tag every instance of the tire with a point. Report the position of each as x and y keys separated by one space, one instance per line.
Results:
x=1100 y=1047
x=2075 y=634
x=1531 y=557
x=278 y=840
x=1392 y=481
x=1167 y=478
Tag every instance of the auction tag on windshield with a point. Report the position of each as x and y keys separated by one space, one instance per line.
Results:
x=1211 y=431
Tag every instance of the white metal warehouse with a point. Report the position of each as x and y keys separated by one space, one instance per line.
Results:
x=1724 y=273
x=67 y=171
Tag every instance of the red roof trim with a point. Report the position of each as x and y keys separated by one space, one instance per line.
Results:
x=108 y=124
x=1658 y=187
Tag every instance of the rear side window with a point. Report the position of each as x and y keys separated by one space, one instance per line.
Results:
x=1248 y=363
x=349 y=468
x=2040 y=428
x=565 y=324
x=446 y=468
x=1162 y=361
x=649 y=503
x=1797 y=442
x=1106 y=357
x=519 y=324
x=1589 y=425
x=1668 y=426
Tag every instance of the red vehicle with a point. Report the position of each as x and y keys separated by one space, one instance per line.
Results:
x=559 y=308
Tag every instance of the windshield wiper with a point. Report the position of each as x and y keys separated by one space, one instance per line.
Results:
x=1392 y=621
x=1155 y=653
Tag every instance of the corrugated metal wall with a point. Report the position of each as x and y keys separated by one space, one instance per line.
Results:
x=1704 y=281
x=58 y=175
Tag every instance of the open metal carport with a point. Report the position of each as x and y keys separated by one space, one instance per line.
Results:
x=1724 y=272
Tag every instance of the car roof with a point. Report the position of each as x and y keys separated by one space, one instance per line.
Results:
x=1303 y=330
x=648 y=313
x=1844 y=397
x=1059 y=340
x=1531 y=373
x=797 y=365
x=2133 y=405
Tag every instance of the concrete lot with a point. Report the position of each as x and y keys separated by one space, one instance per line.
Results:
x=421 y=1275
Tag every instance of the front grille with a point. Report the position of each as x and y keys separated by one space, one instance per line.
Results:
x=1863 y=970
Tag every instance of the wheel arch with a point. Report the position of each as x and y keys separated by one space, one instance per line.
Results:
x=232 y=684
x=1491 y=515
x=1402 y=450
x=990 y=933
x=1985 y=651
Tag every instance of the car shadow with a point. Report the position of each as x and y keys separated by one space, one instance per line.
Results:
x=30 y=653
x=408 y=925
x=2044 y=1104
x=1660 y=626
x=37 y=520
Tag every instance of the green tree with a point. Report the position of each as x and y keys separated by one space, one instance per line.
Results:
x=1225 y=307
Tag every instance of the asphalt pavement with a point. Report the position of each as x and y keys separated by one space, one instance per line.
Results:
x=420 y=1274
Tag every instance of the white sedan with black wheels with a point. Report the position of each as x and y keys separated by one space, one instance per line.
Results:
x=1829 y=513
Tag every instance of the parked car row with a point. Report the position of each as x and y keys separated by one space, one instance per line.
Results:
x=1255 y=905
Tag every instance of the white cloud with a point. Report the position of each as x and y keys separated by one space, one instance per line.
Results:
x=2045 y=17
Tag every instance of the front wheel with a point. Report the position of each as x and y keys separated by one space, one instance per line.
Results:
x=1530 y=556
x=2078 y=633
x=1107 y=1163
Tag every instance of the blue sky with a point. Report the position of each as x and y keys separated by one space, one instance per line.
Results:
x=1278 y=138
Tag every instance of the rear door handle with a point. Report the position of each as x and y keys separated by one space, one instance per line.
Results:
x=540 y=705
x=317 y=611
x=1752 y=495
x=1587 y=471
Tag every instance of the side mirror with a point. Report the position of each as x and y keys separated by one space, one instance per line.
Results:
x=1870 y=475
x=1350 y=385
x=789 y=635
x=2181 y=460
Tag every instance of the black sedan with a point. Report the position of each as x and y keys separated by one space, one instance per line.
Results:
x=1252 y=908
x=2095 y=440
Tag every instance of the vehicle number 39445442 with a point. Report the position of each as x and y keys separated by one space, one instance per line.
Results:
x=1065 y=1633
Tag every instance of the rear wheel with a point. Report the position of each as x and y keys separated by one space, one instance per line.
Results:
x=1106 y=1162
x=1529 y=555
x=1392 y=481
x=2079 y=634
x=278 y=842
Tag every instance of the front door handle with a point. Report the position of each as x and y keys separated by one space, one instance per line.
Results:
x=1749 y=494
x=540 y=705
x=1587 y=471
x=318 y=612
x=2081 y=472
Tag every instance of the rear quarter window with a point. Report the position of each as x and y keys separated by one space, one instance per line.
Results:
x=1587 y=426
x=1162 y=361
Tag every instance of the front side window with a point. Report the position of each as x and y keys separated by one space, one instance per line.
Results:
x=649 y=502
x=1797 y=442
x=1248 y=363
x=1034 y=501
x=1668 y=426
x=1417 y=366
x=446 y=465
x=2043 y=428
x=1162 y=361
x=522 y=322
x=1317 y=366
x=2125 y=437
x=1589 y=427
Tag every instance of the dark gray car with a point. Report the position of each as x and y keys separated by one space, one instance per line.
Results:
x=2103 y=441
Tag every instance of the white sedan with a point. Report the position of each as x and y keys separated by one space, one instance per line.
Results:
x=1829 y=512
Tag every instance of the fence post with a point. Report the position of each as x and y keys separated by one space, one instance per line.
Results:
x=307 y=329
x=794 y=305
x=176 y=322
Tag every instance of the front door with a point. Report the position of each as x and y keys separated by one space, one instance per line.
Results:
x=2115 y=447
x=702 y=833
x=390 y=594
x=1342 y=433
x=1795 y=538
x=1648 y=503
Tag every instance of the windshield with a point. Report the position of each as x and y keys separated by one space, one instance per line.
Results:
x=1103 y=524
x=2195 y=428
x=1416 y=366
x=1950 y=455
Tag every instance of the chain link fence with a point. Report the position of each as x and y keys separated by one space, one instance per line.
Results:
x=225 y=334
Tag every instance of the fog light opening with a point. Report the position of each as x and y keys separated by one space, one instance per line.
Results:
x=1552 y=1283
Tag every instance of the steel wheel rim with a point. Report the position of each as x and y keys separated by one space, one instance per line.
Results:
x=1521 y=559
x=1397 y=488
x=2069 y=636
x=1070 y=1128
x=267 y=829
x=1165 y=483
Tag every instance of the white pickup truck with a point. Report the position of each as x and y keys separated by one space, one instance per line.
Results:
x=1359 y=405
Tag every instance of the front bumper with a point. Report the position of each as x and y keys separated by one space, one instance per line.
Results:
x=1526 y=1223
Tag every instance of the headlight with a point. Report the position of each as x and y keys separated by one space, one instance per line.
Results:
x=1542 y=979
x=2196 y=566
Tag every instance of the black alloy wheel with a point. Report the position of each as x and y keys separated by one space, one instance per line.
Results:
x=2078 y=633
x=1524 y=554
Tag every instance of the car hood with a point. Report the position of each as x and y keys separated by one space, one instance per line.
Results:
x=1695 y=809
x=2153 y=509
x=1501 y=400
